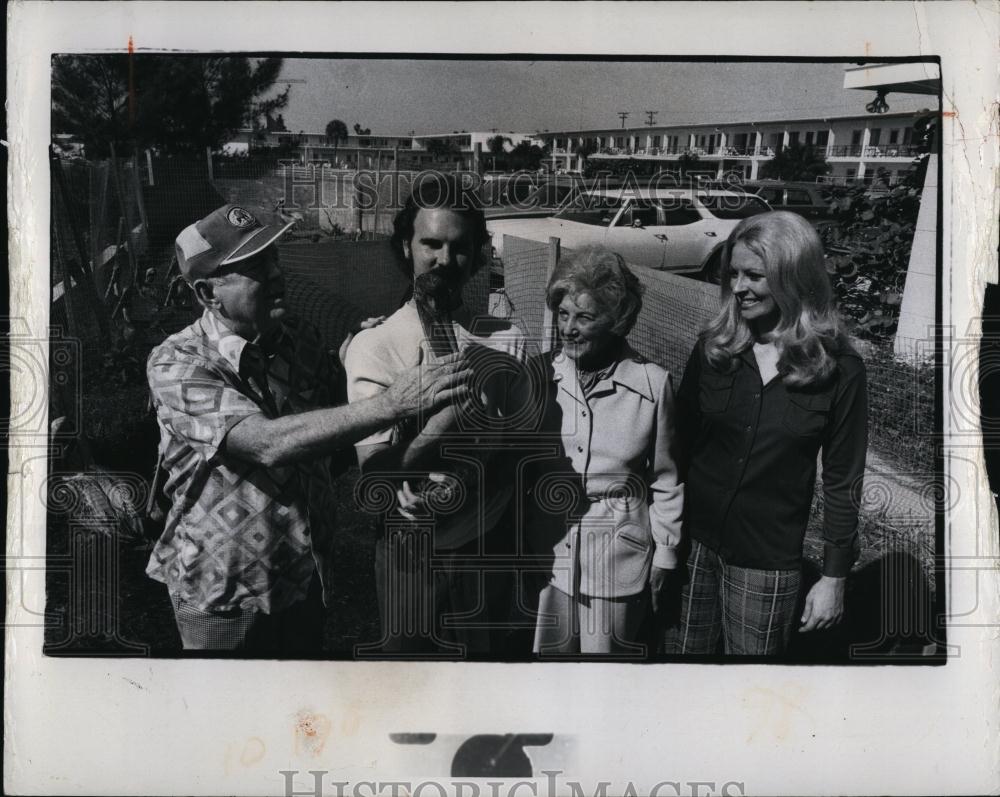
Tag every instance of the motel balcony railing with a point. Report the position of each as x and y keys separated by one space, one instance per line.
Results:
x=873 y=151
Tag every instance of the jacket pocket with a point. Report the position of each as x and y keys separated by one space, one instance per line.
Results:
x=715 y=391
x=807 y=414
x=631 y=551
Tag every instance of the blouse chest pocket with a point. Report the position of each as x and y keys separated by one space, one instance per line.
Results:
x=807 y=414
x=715 y=392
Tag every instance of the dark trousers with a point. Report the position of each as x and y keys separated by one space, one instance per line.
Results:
x=441 y=604
x=294 y=631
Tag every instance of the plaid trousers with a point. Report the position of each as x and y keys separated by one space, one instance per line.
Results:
x=753 y=611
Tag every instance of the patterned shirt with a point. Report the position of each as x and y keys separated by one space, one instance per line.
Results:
x=239 y=535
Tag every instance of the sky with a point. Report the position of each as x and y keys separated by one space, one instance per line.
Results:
x=436 y=96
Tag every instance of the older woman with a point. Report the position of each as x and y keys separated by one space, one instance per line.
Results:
x=605 y=512
x=771 y=383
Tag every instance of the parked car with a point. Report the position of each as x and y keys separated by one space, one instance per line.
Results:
x=527 y=195
x=675 y=229
x=811 y=200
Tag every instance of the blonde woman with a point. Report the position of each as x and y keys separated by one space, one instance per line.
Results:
x=771 y=384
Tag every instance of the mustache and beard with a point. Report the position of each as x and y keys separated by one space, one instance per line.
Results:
x=437 y=294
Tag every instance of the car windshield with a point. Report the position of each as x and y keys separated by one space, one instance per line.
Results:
x=597 y=210
x=733 y=206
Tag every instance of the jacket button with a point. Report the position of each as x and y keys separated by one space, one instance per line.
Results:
x=583 y=413
x=748 y=428
x=580 y=449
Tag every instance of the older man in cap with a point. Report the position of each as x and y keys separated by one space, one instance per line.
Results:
x=246 y=400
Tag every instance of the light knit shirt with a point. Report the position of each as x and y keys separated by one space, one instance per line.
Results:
x=239 y=534
x=375 y=359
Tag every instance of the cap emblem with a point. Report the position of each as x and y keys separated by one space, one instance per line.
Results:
x=239 y=217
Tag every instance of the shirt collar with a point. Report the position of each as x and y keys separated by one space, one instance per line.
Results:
x=630 y=373
x=228 y=343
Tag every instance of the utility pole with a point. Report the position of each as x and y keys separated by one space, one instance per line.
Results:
x=651 y=117
x=623 y=115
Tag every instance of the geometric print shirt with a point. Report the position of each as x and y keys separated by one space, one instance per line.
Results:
x=239 y=535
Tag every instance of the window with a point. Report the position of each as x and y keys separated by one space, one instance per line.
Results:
x=599 y=211
x=798 y=197
x=737 y=206
x=809 y=138
x=851 y=174
x=875 y=136
x=894 y=136
x=620 y=142
x=822 y=138
x=678 y=212
x=641 y=211
x=656 y=141
x=856 y=138
x=773 y=196
x=740 y=141
x=907 y=135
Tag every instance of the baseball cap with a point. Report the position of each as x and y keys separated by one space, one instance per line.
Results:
x=226 y=235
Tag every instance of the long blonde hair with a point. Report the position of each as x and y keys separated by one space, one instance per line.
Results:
x=809 y=332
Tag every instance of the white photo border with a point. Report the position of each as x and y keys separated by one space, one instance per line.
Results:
x=141 y=726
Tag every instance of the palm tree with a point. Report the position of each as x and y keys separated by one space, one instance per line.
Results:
x=795 y=162
x=687 y=162
x=585 y=149
x=336 y=131
x=496 y=147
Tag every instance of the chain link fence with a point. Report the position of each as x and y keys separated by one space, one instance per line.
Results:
x=329 y=201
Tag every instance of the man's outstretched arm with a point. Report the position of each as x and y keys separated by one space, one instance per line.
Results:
x=310 y=435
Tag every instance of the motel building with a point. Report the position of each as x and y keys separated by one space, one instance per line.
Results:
x=855 y=147
x=449 y=151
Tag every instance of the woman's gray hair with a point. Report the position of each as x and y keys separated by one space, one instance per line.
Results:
x=605 y=276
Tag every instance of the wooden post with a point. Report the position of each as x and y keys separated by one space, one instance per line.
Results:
x=149 y=168
x=140 y=202
x=97 y=219
x=123 y=204
x=112 y=286
x=359 y=214
x=548 y=320
x=378 y=192
x=208 y=160
x=79 y=273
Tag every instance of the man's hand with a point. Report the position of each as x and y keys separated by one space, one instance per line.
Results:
x=824 y=604
x=429 y=387
x=413 y=505
x=661 y=587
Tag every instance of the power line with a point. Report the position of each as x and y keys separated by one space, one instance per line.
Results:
x=623 y=115
x=651 y=117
